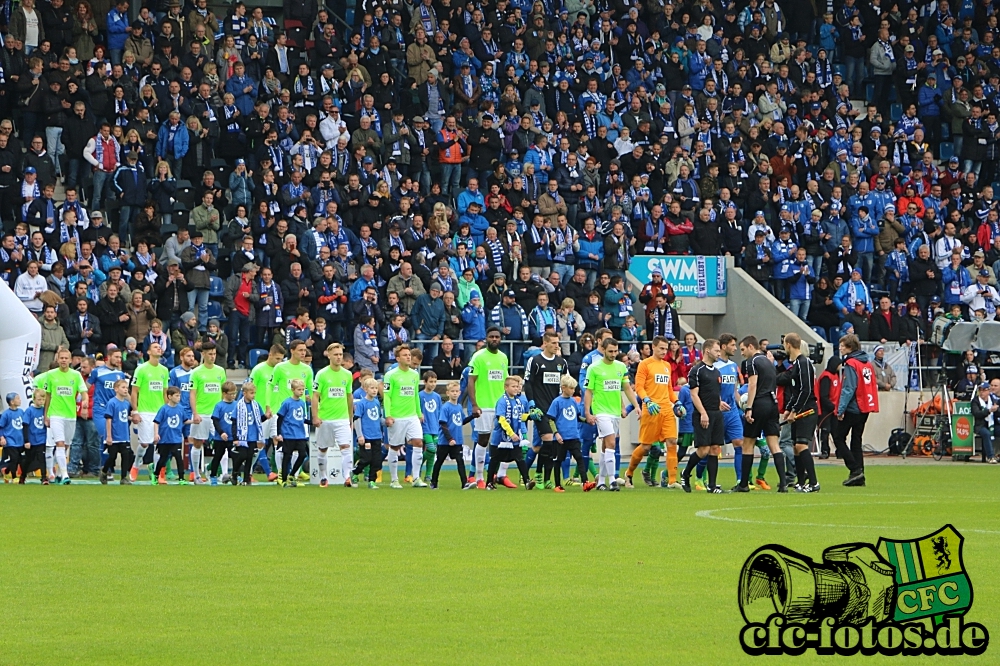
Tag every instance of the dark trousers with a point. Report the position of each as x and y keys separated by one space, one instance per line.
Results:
x=854 y=457
x=166 y=451
x=572 y=446
x=243 y=458
x=239 y=337
x=114 y=450
x=825 y=432
x=13 y=459
x=515 y=455
x=370 y=457
x=32 y=459
x=288 y=447
x=218 y=448
x=445 y=451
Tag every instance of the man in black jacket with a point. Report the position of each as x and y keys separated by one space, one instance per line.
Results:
x=884 y=325
x=84 y=330
x=485 y=143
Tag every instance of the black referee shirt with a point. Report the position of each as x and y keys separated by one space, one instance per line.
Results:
x=799 y=395
x=767 y=377
x=708 y=381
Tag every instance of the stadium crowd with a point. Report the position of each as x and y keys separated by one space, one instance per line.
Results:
x=437 y=168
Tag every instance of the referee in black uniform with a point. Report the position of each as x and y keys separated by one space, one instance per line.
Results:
x=709 y=428
x=761 y=416
x=542 y=377
x=800 y=380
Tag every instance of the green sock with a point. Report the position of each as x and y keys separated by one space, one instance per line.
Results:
x=764 y=458
x=652 y=465
x=593 y=469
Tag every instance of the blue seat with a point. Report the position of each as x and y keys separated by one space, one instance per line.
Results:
x=216 y=287
x=945 y=131
x=215 y=311
x=895 y=112
x=870 y=92
x=255 y=356
x=945 y=150
x=839 y=69
x=820 y=332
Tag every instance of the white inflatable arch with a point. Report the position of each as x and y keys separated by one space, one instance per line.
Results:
x=20 y=344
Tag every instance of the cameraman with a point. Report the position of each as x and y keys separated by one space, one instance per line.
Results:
x=982 y=295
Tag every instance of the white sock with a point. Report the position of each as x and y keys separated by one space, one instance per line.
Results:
x=467 y=457
x=224 y=464
x=291 y=463
x=140 y=454
x=418 y=459
x=50 y=461
x=61 y=461
x=279 y=455
x=394 y=465
x=609 y=464
x=156 y=461
x=322 y=464
x=196 y=456
x=480 y=454
x=503 y=470
x=347 y=462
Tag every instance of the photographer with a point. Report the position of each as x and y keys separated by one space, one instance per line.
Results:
x=982 y=295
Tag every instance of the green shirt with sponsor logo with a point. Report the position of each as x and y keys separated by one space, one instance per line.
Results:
x=63 y=388
x=151 y=380
x=207 y=382
x=332 y=388
x=280 y=386
x=261 y=377
x=401 y=391
x=606 y=380
x=490 y=371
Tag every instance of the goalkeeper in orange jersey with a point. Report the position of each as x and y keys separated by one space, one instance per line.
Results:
x=657 y=423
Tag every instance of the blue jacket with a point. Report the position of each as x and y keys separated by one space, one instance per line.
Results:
x=358 y=287
x=954 y=280
x=477 y=225
x=513 y=316
x=465 y=197
x=927 y=105
x=474 y=320
x=697 y=73
x=783 y=258
x=118 y=25
x=841 y=300
x=242 y=188
x=242 y=100
x=855 y=203
x=428 y=315
x=588 y=247
x=865 y=233
x=180 y=141
x=837 y=228
x=130 y=184
x=534 y=156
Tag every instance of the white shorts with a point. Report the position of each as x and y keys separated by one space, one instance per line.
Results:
x=62 y=429
x=144 y=429
x=203 y=430
x=333 y=434
x=270 y=428
x=403 y=430
x=484 y=422
x=607 y=425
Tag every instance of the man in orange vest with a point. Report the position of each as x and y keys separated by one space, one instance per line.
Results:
x=827 y=393
x=452 y=151
x=858 y=398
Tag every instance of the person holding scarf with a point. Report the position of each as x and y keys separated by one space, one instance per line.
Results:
x=269 y=317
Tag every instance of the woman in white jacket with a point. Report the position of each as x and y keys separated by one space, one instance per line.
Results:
x=569 y=324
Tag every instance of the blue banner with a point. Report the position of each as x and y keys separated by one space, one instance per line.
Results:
x=698 y=277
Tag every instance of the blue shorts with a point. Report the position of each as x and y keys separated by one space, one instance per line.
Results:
x=733 y=424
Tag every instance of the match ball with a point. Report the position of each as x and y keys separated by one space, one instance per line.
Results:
x=743 y=401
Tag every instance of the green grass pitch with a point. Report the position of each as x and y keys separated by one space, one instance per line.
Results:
x=144 y=575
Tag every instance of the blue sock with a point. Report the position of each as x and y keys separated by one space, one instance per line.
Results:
x=618 y=455
x=409 y=456
x=565 y=466
x=529 y=458
x=700 y=469
x=738 y=463
x=265 y=464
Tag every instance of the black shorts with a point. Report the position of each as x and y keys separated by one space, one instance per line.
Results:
x=765 y=419
x=714 y=434
x=32 y=459
x=549 y=449
x=546 y=426
x=506 y=455
x=804 y=429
